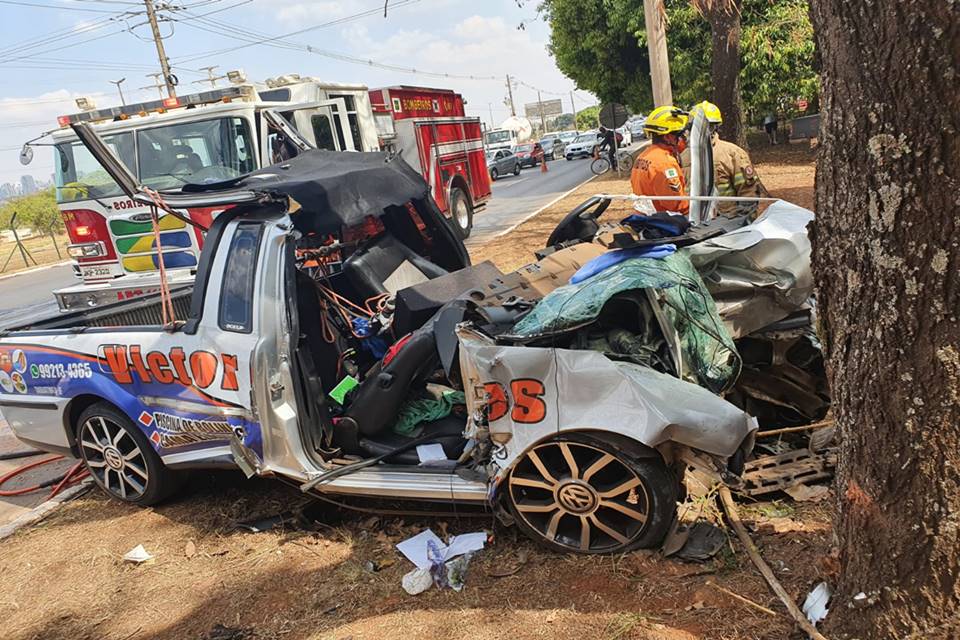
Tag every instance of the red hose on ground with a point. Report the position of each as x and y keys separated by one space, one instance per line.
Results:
x=74 y=475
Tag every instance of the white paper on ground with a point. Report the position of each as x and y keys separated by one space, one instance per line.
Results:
x=417 y=581
x=465 y=543
x=138 y=555
x=430 y=453
x=815 y=606
x=415 y=549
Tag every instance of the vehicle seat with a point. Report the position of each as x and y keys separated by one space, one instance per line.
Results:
x=447 y=432
x=387 y=266
x=375 y=402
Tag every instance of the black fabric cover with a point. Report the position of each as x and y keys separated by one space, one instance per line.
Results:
x=334 y=187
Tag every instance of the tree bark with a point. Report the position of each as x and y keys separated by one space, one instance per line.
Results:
x=724 y=18
x=886 y=257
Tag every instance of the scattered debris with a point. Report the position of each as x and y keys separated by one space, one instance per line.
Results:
x=788 y=525
x=730 y=507
x=190 y=549
x=824 y=424
x=445 y=564
x=222 y=632
x=696 y=606
x=737 y=596
x=138 y=555
x=779 y=472
x=417 y=581
x=804 y=493
x=703 y=542
x=815 y=606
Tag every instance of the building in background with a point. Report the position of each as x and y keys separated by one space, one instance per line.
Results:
x=28 y=185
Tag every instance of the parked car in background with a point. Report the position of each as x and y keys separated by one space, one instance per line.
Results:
x=501 y=162
x=566 y=136
x=636 y=128
x=553 y=147
x=583 y=146
x=529 y=154
x=625 y=137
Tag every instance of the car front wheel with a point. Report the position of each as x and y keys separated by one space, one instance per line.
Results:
x=494 y=174
x=516 y=170
x=120 y=459
x=582 y=494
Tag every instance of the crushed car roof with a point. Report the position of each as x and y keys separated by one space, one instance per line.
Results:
x=332 y=187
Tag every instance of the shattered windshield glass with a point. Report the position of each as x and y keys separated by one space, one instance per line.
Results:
x=709 y=355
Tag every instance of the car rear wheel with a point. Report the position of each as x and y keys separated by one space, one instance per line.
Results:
x=494 y=174
x=461 y=212
x=120 y=459
x=516 y=170
x=581 y=494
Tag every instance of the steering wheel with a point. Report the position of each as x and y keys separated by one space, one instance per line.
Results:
x=581 y=223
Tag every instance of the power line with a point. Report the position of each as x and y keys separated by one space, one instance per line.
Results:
x=59 y=7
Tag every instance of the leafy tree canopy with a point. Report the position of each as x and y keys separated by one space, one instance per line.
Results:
x=588 y=118
x=602 y=46
x=37 y=211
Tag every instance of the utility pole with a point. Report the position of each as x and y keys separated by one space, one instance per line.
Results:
x=211 y=78
x=513 y=108
x=156 y=83
x=490 y=107
x=657 y=46
x=573 y=106
x=543 y=119
x=168 y=78
x=118 y=82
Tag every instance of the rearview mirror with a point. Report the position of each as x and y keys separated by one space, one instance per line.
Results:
x=26 y=155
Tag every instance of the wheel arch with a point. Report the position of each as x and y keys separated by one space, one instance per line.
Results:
x=458 y=182
x=76 y=406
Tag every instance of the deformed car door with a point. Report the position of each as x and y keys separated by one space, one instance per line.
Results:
x=324 y=123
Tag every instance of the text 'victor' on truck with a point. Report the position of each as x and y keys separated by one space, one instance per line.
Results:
x=204 y=138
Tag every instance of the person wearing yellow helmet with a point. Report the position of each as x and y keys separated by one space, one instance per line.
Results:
x=733 y=170
x=656 y=171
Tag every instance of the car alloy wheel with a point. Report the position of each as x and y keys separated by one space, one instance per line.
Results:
x=494 y=174
x=114 y=458
x=581 y=498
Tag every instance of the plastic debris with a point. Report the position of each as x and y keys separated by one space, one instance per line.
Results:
x=417 y=581
x=431 y=453
x=138 y=555
x=815 y=606
x=415 y=412
x=445 y=564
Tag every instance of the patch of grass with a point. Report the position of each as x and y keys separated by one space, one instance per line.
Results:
x=622 y=624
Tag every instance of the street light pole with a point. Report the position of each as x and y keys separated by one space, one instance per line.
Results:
x=120 y=90
x=513 y=108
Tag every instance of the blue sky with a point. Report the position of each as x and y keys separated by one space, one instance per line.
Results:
x=52 y=51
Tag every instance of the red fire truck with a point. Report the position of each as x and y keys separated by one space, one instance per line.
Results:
x=429 y=129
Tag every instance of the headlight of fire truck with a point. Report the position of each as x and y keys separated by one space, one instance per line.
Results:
x=87 y=250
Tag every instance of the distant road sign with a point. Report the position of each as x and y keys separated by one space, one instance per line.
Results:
x=550 y=108
x=613 y=115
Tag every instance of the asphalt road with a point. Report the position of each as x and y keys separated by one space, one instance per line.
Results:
x=28 y=296
x=516 y=197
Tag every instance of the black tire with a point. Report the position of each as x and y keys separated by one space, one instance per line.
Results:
x=461 y=212
x=569 y=158
x=516 y=169
x=587 y=492
x=118 y=455
x=494 y=174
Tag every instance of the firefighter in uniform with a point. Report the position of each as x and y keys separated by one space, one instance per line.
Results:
x=733 y=170
x=656 y=171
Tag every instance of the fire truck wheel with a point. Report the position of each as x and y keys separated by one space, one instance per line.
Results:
x=121 y=459
x=461 y=212
x=494 y=174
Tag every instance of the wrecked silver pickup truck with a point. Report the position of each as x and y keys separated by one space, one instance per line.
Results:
x=337 y=337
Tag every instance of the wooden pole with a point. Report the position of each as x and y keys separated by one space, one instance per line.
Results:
x=807 y=427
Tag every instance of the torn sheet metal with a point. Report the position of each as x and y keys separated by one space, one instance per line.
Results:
x=534 y=393
x=758 y=274
x=707 y=347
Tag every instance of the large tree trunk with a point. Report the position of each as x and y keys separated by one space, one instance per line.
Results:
x=887 y=264
x=724 y=18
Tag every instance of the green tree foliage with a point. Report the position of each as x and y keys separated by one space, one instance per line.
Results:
x=37 y=211
x=588 y=118
x=602 y=46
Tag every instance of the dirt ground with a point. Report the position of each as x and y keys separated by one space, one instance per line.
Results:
x=41 y=250
x=339 y=580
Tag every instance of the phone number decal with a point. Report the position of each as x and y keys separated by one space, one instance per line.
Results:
x=60 y=371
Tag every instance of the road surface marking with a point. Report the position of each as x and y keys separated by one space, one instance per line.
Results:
x=530 y=215
x=512 y=182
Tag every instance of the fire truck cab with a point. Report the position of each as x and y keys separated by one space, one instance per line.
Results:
x=199 y=138
x=430 y=130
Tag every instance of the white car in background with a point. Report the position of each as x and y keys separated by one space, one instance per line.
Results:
x=583 y=146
